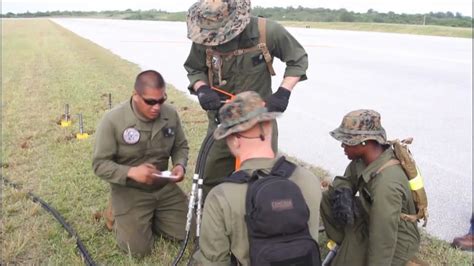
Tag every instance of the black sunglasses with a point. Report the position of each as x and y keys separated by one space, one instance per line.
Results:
x=153 y=102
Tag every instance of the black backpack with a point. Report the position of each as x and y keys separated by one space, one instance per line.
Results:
x=277 y=218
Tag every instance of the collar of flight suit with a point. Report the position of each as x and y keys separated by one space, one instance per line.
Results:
x=250 y=165
x=246 y=39
x=368 y=173
x=141 y=123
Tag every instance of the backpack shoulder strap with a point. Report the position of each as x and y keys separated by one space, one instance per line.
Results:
x=262 y=44
x=283 y=168
x=238 y=177
x=262 y=31
x=389 y=163
x=210 y=74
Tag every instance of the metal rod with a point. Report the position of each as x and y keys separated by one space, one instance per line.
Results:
x=81 y=124
x=199 y=208
x=66 y=112
x=189 y=218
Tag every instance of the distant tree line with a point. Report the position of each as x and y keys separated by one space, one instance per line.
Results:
x=278 y=13
x=371 y=16
x=152 y=14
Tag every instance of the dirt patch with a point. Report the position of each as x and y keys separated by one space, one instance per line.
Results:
x=26 y=142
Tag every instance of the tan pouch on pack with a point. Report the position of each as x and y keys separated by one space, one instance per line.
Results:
x=408 y=164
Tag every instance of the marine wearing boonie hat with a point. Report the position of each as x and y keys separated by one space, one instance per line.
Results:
x=214 y=22
x=358 y=126
x=242 y=113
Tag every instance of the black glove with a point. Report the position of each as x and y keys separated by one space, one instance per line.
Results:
x=343 y=206
x=208 y=98
x=278 y=101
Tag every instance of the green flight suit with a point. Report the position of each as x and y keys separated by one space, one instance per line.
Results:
x=243 y=73
x=223 y=227
x=141 y=209
x=379 y=236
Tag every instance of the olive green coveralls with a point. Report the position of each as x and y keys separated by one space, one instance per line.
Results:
x=141 y=209
x=379 y=236
x=244 y=72
x=223 y=228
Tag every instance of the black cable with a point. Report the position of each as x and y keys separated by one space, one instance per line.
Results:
x=199 y=169
x=85 y=254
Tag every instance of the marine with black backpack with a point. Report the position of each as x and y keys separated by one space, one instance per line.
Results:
x=267 y=213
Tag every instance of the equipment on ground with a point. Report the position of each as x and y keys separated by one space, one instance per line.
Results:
x=66 y=117
x=81 y=134
x=85 y=254
x=196 y=190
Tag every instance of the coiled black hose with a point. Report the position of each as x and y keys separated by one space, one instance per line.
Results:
x=85 y=254
x=199 y=170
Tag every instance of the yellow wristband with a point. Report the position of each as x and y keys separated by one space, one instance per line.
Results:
x=417 y=182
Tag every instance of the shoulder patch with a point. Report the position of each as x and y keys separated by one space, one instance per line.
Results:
x=131 y=135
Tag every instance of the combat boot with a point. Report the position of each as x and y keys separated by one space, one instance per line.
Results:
x=464 y=243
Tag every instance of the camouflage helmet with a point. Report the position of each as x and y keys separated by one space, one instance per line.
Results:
x=358 y=126
x=242 y=113
x=214 y=22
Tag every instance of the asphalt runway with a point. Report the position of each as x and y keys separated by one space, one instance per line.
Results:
x=421 y=85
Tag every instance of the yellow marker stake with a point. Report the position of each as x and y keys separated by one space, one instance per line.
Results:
x=66 y=123
x=82 y=136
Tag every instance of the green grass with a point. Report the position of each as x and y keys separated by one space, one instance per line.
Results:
x=45 y=66
x=385 y=27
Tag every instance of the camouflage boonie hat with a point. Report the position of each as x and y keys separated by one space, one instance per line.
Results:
x=214 y=22
x=358 y=126
x=242 y=113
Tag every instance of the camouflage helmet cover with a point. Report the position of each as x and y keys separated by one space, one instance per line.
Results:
x=358 y=126
x=242 y=113
x=214 y=22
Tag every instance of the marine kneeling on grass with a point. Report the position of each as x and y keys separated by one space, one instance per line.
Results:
x=134 y=142
x=363 y=211
x=268 y=211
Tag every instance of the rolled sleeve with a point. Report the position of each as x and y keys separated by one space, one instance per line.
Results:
x=285 y=47
x=195 y=66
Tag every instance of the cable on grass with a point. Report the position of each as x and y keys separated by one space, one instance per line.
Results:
x=85 y=254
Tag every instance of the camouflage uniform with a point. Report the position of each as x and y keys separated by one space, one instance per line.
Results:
x=223 y=228
x=378 y=236
x=141 y=209
x=240 y=72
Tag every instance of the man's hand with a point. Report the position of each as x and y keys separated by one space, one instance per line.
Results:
x=278 y=101
x=208 y=98
x=178 y=171
x=143 y=173
x=343 y=206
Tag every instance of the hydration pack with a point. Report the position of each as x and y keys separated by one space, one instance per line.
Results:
x=277 y=218
x=405 y=159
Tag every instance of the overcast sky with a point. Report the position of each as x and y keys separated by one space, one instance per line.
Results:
x=397 y=6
